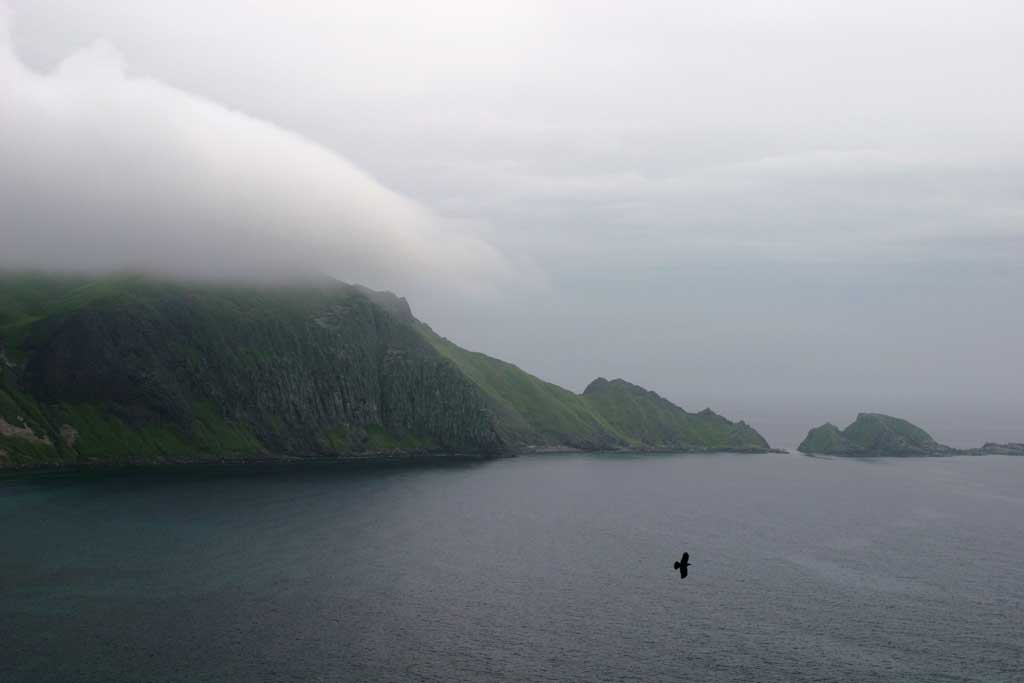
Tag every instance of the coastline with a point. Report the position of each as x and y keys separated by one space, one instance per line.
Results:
x=369 y=458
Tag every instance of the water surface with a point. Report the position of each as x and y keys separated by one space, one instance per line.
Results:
x=547 y=568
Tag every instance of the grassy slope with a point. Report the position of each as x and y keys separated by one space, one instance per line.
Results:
x=101 y=434
x=825 y=439
x=607 y=415
x=218 y=317
x=531 y=410
x=875 y=430
x=528 y=410
x=653 y=421
x=25 y=299
x=872 y=434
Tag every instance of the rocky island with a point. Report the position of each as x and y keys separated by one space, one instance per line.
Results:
x=134 y=369
x=875 y=435
x=991 y=448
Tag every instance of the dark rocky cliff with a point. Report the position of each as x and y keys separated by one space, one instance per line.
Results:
x=134 y=370
x=220 y=371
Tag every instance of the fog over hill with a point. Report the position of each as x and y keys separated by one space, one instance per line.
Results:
x=792 y=214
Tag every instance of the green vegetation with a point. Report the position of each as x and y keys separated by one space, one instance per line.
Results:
x=826 y=439
x=130 y=368
x=645 y=419
x=145 y=370
x=607 y=415
x=379 y=439
x=529 y=410
x=873 y=434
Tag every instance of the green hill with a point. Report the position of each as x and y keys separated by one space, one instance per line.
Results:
x=608 y=415
x=134 y=369
x=646 y=419
x=873 y=434
x=530 y=411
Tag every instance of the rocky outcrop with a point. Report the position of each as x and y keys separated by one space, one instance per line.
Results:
x=872 y=435
x=828 y=439
x=991 y=448
x=23 y=432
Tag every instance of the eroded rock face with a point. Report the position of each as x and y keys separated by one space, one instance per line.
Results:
x=293 y=375
x=69 y=435
x=23 y=432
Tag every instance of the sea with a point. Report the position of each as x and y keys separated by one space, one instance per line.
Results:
x=534 y=568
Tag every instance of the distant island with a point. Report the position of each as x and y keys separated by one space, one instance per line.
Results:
x=875 y=435
x=136 y=370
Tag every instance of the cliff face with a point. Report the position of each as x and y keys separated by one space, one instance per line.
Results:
x=129 y=369
x=873 y=434
x=151 y=371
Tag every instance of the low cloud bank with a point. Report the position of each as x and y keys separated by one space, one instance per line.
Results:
x=100 y=170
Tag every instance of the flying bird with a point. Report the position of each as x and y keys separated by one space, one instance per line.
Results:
x=682 y=564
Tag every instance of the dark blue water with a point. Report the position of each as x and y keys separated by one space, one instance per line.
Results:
x=548 y=568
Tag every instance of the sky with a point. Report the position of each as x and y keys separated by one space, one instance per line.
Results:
x=788 y=211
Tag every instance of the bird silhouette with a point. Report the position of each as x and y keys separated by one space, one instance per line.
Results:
x=682 y=564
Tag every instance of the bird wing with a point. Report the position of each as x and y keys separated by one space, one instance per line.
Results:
x=682 y=571
x=686 y=557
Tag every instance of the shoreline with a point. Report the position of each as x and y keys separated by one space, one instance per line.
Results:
x=375 y=458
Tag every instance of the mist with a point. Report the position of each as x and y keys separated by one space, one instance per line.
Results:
x=103 y=171
x=789 y=212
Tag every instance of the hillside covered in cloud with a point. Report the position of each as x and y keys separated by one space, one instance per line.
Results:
x=789 y=211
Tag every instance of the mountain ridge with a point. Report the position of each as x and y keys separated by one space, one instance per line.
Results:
x=135 y=369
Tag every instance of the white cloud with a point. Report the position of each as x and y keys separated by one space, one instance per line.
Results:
x=726 y=199
x=102 y=170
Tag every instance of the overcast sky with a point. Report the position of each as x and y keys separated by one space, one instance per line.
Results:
x=789 y=211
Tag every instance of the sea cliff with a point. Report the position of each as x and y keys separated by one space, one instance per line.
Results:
x=133 y=369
